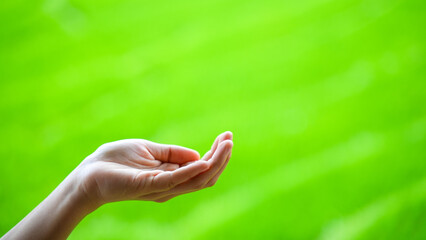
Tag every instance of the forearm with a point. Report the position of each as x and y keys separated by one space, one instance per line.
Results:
x=56 y=216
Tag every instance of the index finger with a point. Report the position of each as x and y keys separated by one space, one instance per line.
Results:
x=222 y=137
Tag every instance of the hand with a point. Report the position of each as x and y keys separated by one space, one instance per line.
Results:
x=217 y=158
x=138 y=169
x=131 y=169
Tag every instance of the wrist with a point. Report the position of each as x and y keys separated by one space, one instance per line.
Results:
x=74 y=189
x=57 y=215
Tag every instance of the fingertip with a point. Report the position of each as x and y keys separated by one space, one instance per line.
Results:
x=207 y=155
x=223 y=150
x=183 y=155
x=191 y=155
x=153 y=163
x=197 y=154
x=228 y=135
x=225 y=136
x=204 y=165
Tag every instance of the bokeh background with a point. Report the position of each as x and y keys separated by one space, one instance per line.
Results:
x=326 y=100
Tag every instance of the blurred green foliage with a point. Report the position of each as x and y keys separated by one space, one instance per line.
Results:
x=326 y=100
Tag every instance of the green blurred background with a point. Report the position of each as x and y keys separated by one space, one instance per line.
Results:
x=326 y=100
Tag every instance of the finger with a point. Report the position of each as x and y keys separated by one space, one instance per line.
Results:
x=214 y=179
x=220 y=156
x=187 y=163
x=212 y=182
x=168 y=180
x=165 y=197
x=200 y=181
x=171 y=153
x=222 y=137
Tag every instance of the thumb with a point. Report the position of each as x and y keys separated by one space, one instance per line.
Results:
x=172 y=153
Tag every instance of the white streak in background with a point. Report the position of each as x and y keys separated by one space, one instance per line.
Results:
x=354 y=225
x=71 y=19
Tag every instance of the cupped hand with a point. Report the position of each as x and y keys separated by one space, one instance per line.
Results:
x=137 y=169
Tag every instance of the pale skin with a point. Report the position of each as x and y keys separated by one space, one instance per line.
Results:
x=132 y=169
